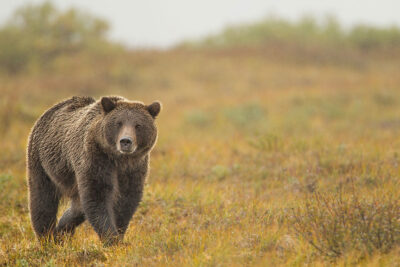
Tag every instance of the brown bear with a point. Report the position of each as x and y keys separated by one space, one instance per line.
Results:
x=97 y=154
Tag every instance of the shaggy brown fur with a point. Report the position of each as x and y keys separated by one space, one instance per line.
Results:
x=76 y=149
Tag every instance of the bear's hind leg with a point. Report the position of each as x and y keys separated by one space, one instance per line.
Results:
x=71 y=218
x=43 y=201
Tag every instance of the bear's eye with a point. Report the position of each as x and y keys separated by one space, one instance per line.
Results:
x=119 y=124
x=138 y=126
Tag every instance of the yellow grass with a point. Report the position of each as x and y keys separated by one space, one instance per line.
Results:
x=245 y=140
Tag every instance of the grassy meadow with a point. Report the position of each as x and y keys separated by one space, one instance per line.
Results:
x=265 y=156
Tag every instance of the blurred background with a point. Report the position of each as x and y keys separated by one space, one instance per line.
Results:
x=163 y=24
x=265 y=104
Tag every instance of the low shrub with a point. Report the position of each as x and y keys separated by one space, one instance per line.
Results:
x=334 y=224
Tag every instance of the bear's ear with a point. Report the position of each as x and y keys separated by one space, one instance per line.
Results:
x=107 y=104
x=154 y=109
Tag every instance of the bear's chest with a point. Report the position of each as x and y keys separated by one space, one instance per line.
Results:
x=131 y=179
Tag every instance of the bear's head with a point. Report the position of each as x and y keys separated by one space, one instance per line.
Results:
x=128 y=127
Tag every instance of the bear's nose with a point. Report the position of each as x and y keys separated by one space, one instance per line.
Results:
x=126 y=143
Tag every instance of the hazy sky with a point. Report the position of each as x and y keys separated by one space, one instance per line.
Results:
x=162 y=23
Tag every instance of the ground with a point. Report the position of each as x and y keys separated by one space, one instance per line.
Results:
x=247 y=144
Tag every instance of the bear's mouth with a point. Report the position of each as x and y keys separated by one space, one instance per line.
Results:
x=130 y=150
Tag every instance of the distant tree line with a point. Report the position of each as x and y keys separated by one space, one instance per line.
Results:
x=37 y=34
x=305 y=32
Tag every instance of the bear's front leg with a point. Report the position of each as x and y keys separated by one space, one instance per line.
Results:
x=97 y=191
x=130 y=194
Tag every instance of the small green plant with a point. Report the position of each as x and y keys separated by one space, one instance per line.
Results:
x=22 y=263
x=4 y=178
x=267 y=142
x=246 y=115
x=197 y=118
x=220 y=172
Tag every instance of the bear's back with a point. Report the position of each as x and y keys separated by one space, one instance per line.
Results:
x=59 y=131
x=60 y=113
x=77 y=102
x=56 y=123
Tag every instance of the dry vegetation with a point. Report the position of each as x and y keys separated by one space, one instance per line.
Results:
x=261 y=160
